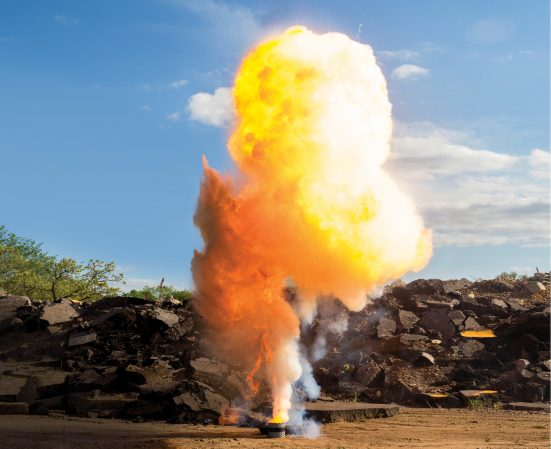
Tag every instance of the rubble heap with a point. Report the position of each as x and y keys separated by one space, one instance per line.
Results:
x=429 y=343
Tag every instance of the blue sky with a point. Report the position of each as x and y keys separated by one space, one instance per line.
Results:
x=103 y=131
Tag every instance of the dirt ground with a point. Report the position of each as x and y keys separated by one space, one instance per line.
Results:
x=411 y=428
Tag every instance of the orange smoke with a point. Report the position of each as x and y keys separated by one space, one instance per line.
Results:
x=313 y=203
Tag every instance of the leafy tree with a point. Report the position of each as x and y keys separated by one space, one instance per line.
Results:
x=26 y=269
x=154 y=293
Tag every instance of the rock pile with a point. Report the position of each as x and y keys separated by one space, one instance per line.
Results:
x=430 y=342
x=119 y=357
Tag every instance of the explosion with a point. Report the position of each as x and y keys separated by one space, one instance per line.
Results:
x=312 y=204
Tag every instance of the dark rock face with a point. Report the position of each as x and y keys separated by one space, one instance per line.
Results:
x=8 y=309
x=437 y=320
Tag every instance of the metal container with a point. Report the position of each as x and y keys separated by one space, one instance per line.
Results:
x=276 y=430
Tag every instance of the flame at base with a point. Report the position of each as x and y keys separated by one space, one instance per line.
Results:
x=312 y=203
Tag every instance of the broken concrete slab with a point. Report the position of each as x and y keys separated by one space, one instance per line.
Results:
x=337 y=411
x=528 y=406
x=440 y=400
x=169 y=319
x=82 y=338
x=14 y=408
x=58 y=313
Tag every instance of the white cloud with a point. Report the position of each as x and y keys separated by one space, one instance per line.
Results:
x=410 y=71
x=145 y=107
x=212 y=109
x=178 y=84
x=402 y=55
x=66 y=20
x=540 y=162
x=174 y=116
x=471 y=196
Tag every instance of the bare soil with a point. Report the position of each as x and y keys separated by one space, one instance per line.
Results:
x=411 y=428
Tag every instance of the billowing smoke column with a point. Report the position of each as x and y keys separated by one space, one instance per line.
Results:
x=312 y=204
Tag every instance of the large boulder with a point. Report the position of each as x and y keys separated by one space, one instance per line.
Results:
x=407 y=319
x=437 y=320
x=426 y=287
x=8 y=309
x=58 y=313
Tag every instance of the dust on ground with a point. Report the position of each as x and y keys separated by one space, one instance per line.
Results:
x=411 y=428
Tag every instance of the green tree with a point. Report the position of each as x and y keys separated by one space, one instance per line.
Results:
x=26 y=269
x=154 y=293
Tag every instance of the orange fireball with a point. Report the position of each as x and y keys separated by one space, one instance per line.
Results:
x=313 y=204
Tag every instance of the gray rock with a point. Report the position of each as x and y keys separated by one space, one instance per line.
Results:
x=209 y=371
x=496 y=302
x=82 y=338
x=471 y=324
x=167 y=318
x=214 y=402
x=547 y=365
x=412 y=339
x=425 y=359
x=455 y=294
x=457 y=318
x=515 y=305
x=401 y=293
x=8 y=309
x=438 y=320
x=187 y=400
x=535 y=287
x=386 y=328
x=468 y=348
x=426 y=287
x=407 y=319
x=58 y=313
x=367 y=372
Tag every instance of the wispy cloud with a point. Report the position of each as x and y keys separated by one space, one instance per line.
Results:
x=471 y=196
x=402 y=55
x=509 y=57
x=410 y=71
x=212 y=109
x=63 y=19
x=178 y=84
x=174 y=116
x=145 y=107
x=175 y=85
